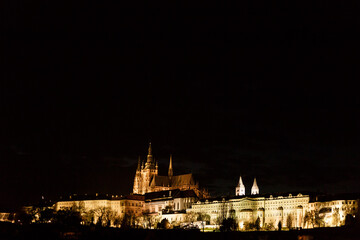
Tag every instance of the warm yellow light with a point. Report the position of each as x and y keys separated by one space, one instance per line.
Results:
x=241 y=225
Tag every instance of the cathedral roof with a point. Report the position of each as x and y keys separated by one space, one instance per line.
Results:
x=176 y=193
x=160 y=181
x=175 y=181
x=181 y=180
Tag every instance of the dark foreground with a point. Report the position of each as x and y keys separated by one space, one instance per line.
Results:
x=39 y=231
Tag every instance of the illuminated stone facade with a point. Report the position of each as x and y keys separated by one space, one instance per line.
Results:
x=5 y=217
x=246 y=209
x=332 y=212
x=291 y=211
x=131 y=205
x=147 y=178
x=169 y=201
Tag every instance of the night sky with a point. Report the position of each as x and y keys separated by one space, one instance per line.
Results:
x=259 y=89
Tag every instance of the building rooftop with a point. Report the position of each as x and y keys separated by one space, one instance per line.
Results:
x=84 y=197
x=169 y=194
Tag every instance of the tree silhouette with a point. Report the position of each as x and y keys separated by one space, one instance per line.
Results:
x=228 y=225
x=164 y=224
x=349 y=220
x=289 y=221
x=257 y=224
x=47 y=215
x=69 y=217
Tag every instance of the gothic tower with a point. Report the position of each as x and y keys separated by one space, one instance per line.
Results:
x=240 y=189
x=170 y=172
x=255 y=188
x=147 y=178
x=148 y=171
x=144 y=173
x=137 y=180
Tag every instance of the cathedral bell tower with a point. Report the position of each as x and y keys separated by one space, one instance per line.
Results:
x=147 y=172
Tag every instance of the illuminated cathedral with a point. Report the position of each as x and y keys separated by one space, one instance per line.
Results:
x=147 y=178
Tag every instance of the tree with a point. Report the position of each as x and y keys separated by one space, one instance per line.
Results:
x=203 y=217
x=349 y=220
x=47 y=215
x=150 y=221
x=190 y=217
x=24 y=217
x=228 y=225
x=127 y=221
x=99 y=214
x=105 y=216
x=289 y=221
x=319 y=220
x=168 y=209
x=248 y=226
x=336 y=217
x=109 y=217
x=67 y=217
x=117 y=221
x=88 y=217
x=307 y=219
x=269 y=226
x=257 y=224
x=164 y=224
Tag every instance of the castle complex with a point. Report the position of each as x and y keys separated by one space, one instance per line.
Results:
x=178 y=199
x=147 y=178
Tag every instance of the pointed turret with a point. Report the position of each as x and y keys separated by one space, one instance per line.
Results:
x=170 y=172
x=240 y=189
x=149 y=156
x=137 y=180
x=149 y=149
x=139 y=165
x=156 y=168
x=255 y=188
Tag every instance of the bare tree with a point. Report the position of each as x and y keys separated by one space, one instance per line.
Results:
x=88 y=217
x=336 y=217
x=190 y=217
x=109 y=217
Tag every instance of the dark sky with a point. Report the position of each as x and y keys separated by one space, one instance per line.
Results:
x=261 y=89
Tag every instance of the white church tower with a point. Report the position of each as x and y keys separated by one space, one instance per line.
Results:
x=240 y=189
x=255 y=188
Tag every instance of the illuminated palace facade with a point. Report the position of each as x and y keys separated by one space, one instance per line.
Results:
x=294 y=210
x=177 y=198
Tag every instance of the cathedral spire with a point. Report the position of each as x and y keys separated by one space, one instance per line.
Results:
x=255 y=188
x=139 y=165
x=149 y=156
x=149 y=149
x=170 y=172
x=240 y=189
